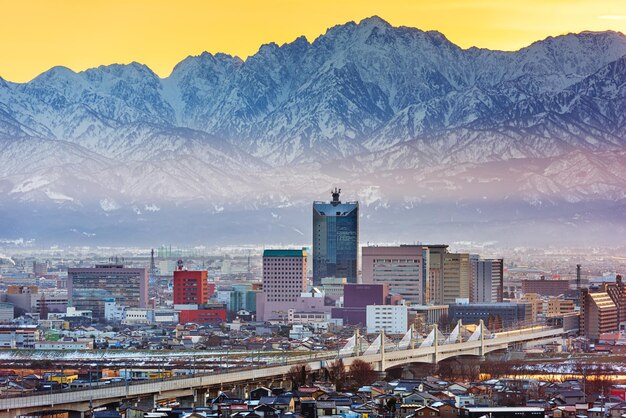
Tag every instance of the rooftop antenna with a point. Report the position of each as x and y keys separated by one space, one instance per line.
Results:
x=335 y=193
x=152 y=264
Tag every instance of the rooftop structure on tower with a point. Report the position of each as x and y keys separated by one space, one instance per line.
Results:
x=335 y=239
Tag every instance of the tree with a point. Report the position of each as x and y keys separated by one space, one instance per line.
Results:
x=595 y=377
x=297 y=374
x=362 y=373
x=494 y=323
x=337 y=373
x=445 y=370
x=469 y=369
x=443 y=323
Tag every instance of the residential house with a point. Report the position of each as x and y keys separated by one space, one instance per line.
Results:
x=446 y=410
x=426 y=412
x=266 y=411
x=260 y=392
x=420 y=398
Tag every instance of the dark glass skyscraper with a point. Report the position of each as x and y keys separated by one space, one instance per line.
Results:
x=335 y=239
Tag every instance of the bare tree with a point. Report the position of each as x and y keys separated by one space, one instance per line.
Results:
x=337 y=373
x=362 y=373
x=298 y=375
x=497 y=368
x=595 y=377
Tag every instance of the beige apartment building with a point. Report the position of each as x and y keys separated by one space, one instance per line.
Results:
x=559 y=307
x=402 y=267
x=536 y=303
x=456 y=277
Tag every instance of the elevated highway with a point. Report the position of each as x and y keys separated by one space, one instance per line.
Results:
x=198 y=387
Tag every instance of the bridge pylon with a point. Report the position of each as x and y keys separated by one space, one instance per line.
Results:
x=436 y=344
x=482 y=337
x=382 y=349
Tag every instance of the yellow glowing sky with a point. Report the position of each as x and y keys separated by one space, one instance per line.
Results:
x=38 y=34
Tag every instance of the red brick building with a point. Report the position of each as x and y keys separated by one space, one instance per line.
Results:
x=545 y=287
x=191 y=287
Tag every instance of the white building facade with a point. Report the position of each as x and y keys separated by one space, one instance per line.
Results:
x=392 y=318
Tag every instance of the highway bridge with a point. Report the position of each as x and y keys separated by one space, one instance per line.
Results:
x=196 y=388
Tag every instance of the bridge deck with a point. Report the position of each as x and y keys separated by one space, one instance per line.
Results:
x=391 y=358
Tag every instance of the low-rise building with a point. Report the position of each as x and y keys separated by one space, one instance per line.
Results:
x=536 y=304
x=545 y=287
x=559 y=307
x=64 y=345
x=392 y=318
x=204 y=314
x=138 y=316
x=7 y=312
x=23 y=336
x=498 y=314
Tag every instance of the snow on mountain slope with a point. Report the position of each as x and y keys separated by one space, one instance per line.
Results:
x=394 y=113
x=361 y=86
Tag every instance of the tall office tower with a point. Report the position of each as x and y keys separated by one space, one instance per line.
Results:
x=284 y=280
x=88 y=288
x=402 y=268
x=191 y=287
x=487 y=280
x=437 y=254
x=456 y=277
x=598 y=314
x=335 y=239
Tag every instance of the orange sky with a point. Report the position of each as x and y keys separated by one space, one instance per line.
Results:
x=39 y=34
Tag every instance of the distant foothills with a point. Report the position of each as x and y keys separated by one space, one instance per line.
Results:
x=438 y=143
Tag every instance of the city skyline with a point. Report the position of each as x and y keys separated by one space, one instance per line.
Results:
x=174 y=240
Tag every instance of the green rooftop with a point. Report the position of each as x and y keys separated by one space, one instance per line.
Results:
x=284 y=253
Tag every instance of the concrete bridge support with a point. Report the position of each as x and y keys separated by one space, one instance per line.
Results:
x=145 y=402
x=186 y=401
x=199 y=397
x=213 y=391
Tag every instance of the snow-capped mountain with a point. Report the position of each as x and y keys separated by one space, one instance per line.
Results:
x=400 y=116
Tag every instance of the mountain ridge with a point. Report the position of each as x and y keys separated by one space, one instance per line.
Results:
x=397 y=114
